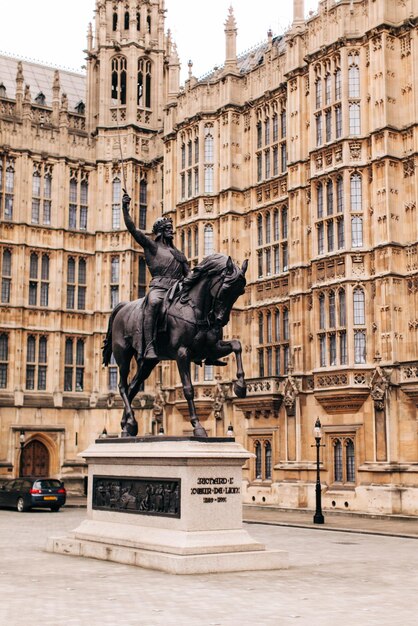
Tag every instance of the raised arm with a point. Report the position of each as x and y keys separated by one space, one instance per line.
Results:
x=137 y=234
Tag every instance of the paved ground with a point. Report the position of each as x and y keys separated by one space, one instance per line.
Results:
x=335 y=577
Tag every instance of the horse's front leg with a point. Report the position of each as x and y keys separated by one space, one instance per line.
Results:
x=223 y=348
x=183 y=365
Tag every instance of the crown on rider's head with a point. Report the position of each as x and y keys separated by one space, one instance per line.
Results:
x=160 y=224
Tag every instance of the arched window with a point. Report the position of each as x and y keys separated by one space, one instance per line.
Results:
x=138 y=20
x=4 y=360
x=269 y=328
x=330 y=198
x=350 y=461
x=72 y=209
x=355 y=193
x=258 y=460
x=285 y=324
x=276 y=224
x=118 y=91
x=320 y=200
x=321 y=311
x=208 y=145
x=259 y=135
x=260 y=230
x=284 y=223
x=357 y=232
x=331 y=309
x=268 y=227
x=115 y=21
x=341 y=305
x=116 y=200
x=143 y=204
x=354 y=118
x=126 y=20
x=144 y=83
x=114 y=281
x=338 y=84
x=353 y=76
x=340 y=195
x=328 y=89
x=338 y=461
x=359 y=307
x=71 y=283
x=267 y=460
x=277 y=326
x=196 y=241
x=183 y=241
x=208 y=240
x=6 y=276
x=149 y=23
x=359 y=346
x=261 y=329
x=318 y=94
x=36 y=196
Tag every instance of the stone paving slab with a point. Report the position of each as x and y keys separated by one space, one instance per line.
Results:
x=334 y=578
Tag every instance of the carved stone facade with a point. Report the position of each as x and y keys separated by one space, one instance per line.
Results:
x=299 y=155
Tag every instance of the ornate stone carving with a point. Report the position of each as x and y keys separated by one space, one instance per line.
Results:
x=379 y=385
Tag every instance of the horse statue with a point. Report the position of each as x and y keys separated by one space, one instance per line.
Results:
x=190 y=331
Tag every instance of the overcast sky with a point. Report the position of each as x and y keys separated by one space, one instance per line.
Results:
x=54 y=31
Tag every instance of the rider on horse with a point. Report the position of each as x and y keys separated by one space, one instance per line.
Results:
x=166 y=264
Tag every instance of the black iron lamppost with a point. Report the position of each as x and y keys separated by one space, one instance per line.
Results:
x=317 y=431
x=22 y=444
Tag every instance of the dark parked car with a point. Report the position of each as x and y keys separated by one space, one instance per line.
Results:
x=25 y=493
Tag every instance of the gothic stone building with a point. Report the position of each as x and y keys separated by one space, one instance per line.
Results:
x=298 y=155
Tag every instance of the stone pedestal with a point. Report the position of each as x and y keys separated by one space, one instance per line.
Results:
x=166 y=503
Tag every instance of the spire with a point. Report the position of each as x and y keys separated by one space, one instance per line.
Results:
x=230 y=41
x=173 y=72
x=298 y=12
x=56 y=97
x=19 y=88
x=89 y=37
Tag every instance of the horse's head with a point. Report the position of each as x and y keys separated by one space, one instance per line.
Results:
x=225 y=289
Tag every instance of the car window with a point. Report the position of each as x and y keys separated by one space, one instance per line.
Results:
x=47 y=484
x=13 y=485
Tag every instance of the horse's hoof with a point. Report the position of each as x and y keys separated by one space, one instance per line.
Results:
x=240 y=390
x=132 y=429
x=199 y=431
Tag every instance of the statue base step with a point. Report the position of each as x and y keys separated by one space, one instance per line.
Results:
x=172 y=504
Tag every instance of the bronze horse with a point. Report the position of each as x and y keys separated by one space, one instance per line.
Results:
x=191 y=332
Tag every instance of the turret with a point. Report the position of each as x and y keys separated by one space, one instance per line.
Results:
x=173 y=72
x=298 y=13
x=230 y=41
x=19 y=88
x=56 y=98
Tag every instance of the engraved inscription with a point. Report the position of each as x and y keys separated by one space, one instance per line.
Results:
x=144 y=496
x=214 y=489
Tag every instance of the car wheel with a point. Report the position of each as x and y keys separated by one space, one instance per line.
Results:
x=55 y=509
x=20 y=505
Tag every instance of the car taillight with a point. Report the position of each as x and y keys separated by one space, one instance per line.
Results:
x=35 y=491
x=61 y=491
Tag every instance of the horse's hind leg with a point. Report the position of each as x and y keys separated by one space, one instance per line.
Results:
x=183 y=365
x=144 y=370
x=128 y=424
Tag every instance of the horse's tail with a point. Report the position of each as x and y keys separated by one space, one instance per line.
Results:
x=107 y=344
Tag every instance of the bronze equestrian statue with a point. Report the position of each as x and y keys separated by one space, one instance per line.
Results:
x=183 y=323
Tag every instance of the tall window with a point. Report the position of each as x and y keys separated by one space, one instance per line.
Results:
x=320 y=200
x=112 y=374
x=359 y=346
x=209 y=158
x=143 y=204
x=332 y=332
x=318 y=120
x=354 y=118
x=340 y=195
x=338 y=122
x=38 y=280
x=330 y=198
x=4 y=359
x=76 y=283
x=74 y=365
x=359 y=307
x=318 y=94
x=144 y=83
x=41 y=194
x=116 y=201
x=208 y=240
x=273 y=342
x=353 y=76
x=356 y=232
x=344 y=459
x=118 y=76
x=6 y=276
x=78 y=205
x=355 y=193
x=114 y=281
x=263 y=458
x=338 y=84
x=7 y=182
x=36 y=363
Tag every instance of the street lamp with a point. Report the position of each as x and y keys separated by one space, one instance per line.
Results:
x=22 y=444
x=317 y=432
x=230 y=431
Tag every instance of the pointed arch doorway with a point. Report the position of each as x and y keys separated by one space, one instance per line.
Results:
x=35 y=459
